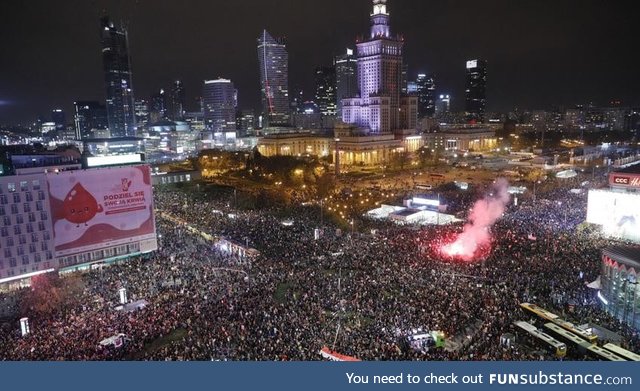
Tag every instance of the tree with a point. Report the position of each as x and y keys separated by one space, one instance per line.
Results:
x=325 y=185
x=536 y=175
x=50 y=293
x=401 y=159
x=424 y=155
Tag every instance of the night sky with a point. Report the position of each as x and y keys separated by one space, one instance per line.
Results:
x=541 y=53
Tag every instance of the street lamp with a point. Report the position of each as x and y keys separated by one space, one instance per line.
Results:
x=337 y=159
x=535 y=190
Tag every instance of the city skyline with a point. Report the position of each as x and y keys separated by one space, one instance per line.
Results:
x=590 y=61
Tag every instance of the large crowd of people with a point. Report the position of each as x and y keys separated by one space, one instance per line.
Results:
x=357 y=293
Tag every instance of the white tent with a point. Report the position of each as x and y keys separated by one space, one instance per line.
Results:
x=596 y=284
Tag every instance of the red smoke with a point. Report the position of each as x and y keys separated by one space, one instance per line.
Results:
x=476 y=234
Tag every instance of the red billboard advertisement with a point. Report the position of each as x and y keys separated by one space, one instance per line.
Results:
x=624 y=180
x=99 y=208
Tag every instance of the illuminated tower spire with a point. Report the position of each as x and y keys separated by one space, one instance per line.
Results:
x=380 y=19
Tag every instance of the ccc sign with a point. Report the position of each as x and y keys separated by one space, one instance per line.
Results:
x=621 y=180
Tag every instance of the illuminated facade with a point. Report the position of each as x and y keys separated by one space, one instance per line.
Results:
x=443 y=105
x=380 y=104
x=88 y=117
x=294 y=144
x=620 y=292
x=346 y=77
x=462 y=138
x=353 y=146
x=326 y=90
x=26 y=232
x=158 y=108
x=476 y=90
x=220 y=99
x=114 y=146
x=274 y=79
x=177 y=101
x=615 y=211
x=367 y=150
x=426 y=89
x=119 y=87
x=357 y=146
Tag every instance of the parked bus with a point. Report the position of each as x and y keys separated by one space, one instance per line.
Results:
x=631 y=356
x=550 y=316
x=582 y=345
x=557 y=348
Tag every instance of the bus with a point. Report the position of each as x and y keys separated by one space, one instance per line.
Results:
x=559 y=349
x=541 y=312
x=604 y=354
x=581 y=344
x=550 y=316
x=631 y=356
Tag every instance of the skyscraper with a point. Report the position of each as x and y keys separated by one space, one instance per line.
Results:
x=119 y=87
x=476 y=90
x=346 y=78
x=273 y=60
x=158 y=108
x=426 y=95
x=220 y=101
x=404 y=83
x=443 y=105
x=380 y=106
x=89 y=116
x=326 y=90
x=177 y=101
x=142 y=113
x=59 y=118
x=246 y=122
x=412 y=87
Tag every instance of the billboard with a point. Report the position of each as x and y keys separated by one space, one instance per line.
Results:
x=97 y=161
x=99 y=208
x=616 y=212
x=631 y=181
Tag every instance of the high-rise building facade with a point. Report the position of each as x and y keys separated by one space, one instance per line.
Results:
x=412 y=87
x=426 y=85
x=443 y=105
x=404 y=79
x=381 y=107
x=177 y=101
x=346 y=78
x=59 y=118
x=220 y=101
x=326 y=90
x=118 y=81
x=89 y=116
x=246 y=122
x=273 y=60
x=158 y=108
x=476 y=90
x=142 y=113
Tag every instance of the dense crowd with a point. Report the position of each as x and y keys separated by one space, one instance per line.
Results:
x=358 y=294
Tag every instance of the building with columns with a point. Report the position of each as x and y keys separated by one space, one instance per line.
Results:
x=294 y=144
x=454 y=138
